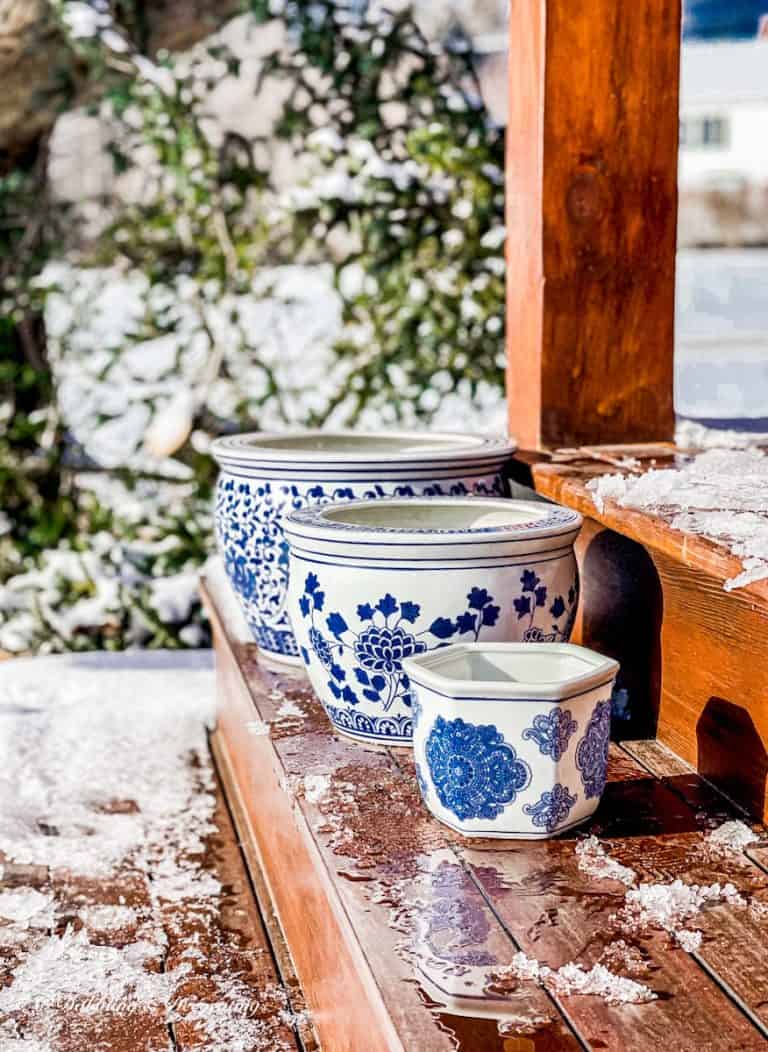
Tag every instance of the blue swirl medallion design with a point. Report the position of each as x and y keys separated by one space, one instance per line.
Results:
x=366 y=663
x=474 y=771
x=592 y=750
x=533 y=598
x=552 y=808
x=552 y=731
x=249 y=530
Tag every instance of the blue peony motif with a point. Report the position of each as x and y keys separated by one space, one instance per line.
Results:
x=552 y=732
x=474 y=771
x=383 y=649
x=552 y=808
x=383 y=642
x=592 y=750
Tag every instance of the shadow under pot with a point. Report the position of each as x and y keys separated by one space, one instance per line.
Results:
x=373 y=583
x=264 y=477
x=511 y=739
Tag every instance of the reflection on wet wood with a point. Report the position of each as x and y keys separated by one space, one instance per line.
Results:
x=405 y=923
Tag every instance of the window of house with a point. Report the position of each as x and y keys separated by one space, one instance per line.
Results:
x=709 y=132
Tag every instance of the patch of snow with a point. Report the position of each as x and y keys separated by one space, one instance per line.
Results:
x=27 y=907
x=316 y=787
x=69 y=971
x=691 y=435
x=289 y=709
x=594 y=860
x=731 y=836
x=572 y=979
x=173 y=597
x=512 y=1025
x=257 y=728
x=720 y=495
x=105 y=770
x=57 y=773
x=690 y=941
x=234 y=1022
x=107 y=918
x=669 y=906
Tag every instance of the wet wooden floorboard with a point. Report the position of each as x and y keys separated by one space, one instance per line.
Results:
x=425 y=918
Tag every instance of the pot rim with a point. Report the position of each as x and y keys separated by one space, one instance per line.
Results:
x=385 y=448
x=424 y=671
x=334 y=523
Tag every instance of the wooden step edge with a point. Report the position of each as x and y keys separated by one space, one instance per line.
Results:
x=567 y=485
x=341 y=992
x=693 y=656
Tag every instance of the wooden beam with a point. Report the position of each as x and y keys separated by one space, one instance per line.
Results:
x=591 y=218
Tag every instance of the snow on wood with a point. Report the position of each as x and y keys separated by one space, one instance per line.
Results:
x=571 y=978
x=108 y=804
x=594 y=860
x=721 y=495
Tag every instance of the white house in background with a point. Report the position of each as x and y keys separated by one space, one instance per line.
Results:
x=724 y=115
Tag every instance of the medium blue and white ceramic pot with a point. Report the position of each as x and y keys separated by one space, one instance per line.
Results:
x=511 y=739
x=375 y=582
x=265 y=476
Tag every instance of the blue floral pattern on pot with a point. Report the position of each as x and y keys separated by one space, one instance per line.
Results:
x=366 y=662
x=552 y=731
x=557 y=612
x=474 y=771
x=552 y=808
x=592 y=750
x=249 y=529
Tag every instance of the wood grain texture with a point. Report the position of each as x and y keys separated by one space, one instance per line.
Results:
x=591 y=219
x=706 y=649
x=435 y=916
x=734 y=942
x=558 y=912
x=209 y=948
x=344 y=872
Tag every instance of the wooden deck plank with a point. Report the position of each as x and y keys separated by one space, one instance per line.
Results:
x=211 y=945
x=391 y=879
x=559 y=914
x=363 y=854
x=567 y=484
x=235 y=943
x=283 y=961
x=352 y=909
x=734 y=947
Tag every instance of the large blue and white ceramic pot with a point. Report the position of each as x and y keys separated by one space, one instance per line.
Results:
x=375 y=582
x=265 y=476
x=511 y=739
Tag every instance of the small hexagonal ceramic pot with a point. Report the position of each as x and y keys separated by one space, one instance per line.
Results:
x=511 y=739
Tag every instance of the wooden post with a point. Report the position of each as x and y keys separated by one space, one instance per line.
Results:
x=591 y=219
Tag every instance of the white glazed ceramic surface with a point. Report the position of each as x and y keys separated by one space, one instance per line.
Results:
x=372 y=583
x=266 y=476
x=512 y=740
